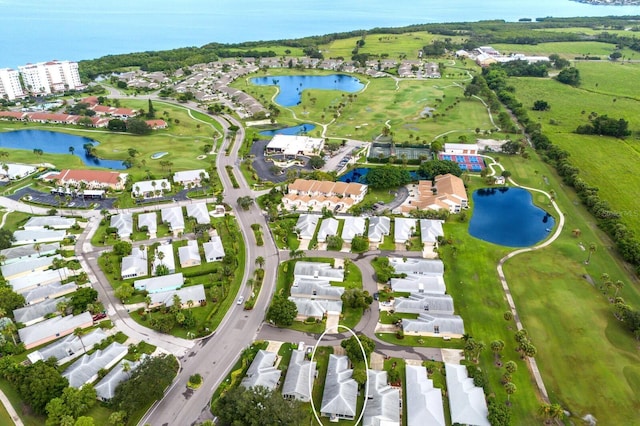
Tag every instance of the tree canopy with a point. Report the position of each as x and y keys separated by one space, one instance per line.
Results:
x=257 y=406
x=282 y=311
x=352 y=347
x=37 y=384
x=570 y=76
x=387 y=177
x=433 y=168
x=10 y=300
x=137 y=126
x=357 y=298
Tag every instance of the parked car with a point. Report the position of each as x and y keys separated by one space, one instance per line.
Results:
x=98 y=317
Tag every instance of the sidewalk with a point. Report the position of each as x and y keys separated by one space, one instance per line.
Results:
x=14 y=416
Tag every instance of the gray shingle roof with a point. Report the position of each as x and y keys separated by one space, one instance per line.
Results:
x=150 y=220
x=173 y=216
x=106 y=388
x=23 y=284
x=378 y=227
x=262 y=372
x=195 y=293
x=44 y=235
x=415 y=266
x=68 y=346
x=52 y=327
x=317 y=289
x=416 y=284
x=27 y=265
x=199 y=212
x=316 y=308
x=160 y=284
x=404 y=228
x=214 y=249
x=328 y=227
x=466 y=401
x=52 y=290
x=86 y=368
x=123 y=222
x=384 y=401
x=318 y=270
x=307 y=224
x=340 y=395
x=430 y=230
x=352 y=226
x=13 y=254
x=300 y=371
x=426 y=302
x=55 y=222
x=427 y=323
x=39 y=310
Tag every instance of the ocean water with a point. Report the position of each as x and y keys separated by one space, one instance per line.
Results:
x=40 y=30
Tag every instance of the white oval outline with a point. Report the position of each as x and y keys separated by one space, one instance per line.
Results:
x=366 y=367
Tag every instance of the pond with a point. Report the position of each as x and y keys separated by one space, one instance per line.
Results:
x=296 y=130
x=508 y=217
x=291 y=86
x=55 y=143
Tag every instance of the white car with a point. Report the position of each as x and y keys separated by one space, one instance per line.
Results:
x=240 y=300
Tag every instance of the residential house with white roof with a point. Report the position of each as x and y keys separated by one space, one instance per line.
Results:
x=213 y=250
x=195 y=294
x=353 y=226
x=379 y=227
x=35 y=313
x=38 y=236
x=404 y=229
x=300 y=376
x=419 y=284
x=172 y=216
x=318 y=270
x=48 y=330
x=383 y=404
x=39 y=279
x=430 y=230
x=340 y=397
x=413 y=266
x=315 y=289
x=50 y=222
x=306 y=225
x=135 y=265
x=189 y=255
x=164 y=256
x=67 y=348
x=123 y=222
x=424 y=302
x=262 y=371
x=27 y=267
x=160 y=284
x=199 y=212
x=328 y=228
x=106 y=388
x=424 y=402
x=38 y=295
x=86 y=369
x=28 y=251
x=190 y=178
x=315 y=308
x=436 y=325
x=148 y=221
x=467 y=403
x=150 y=188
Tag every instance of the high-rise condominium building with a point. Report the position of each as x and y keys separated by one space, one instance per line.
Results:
x=10 y=87
x=49 y=77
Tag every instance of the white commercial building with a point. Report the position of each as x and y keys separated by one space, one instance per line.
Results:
x=16 y=171
x=10 y=86
x=294 y=145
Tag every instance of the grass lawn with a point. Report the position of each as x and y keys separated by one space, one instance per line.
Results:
x=14 y=398
x=14 y=220
x=283 y=231
x=423 y=341
x=566 y=49
x=5 y=418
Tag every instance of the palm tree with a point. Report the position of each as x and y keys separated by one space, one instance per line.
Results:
x=160 y=256
x=147 y=301
x=71 y=150
x=37 y=247
x=3 y=259
x=260 y=261
x=618 y=285
x=126 y=368
x=592 y=249
x=510 y=389
x=79 y=333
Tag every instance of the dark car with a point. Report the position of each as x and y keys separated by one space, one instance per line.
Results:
x=98 y=317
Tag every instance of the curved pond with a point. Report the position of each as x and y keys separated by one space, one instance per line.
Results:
x=55 y=143
x=508 y=217
x=292 y=86
x=296 y=130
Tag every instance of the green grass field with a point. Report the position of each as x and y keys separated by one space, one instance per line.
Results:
x=598 y=158
x=566 y=49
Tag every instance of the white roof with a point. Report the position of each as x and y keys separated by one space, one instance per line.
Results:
x=189 y=175
x=17 y=171
x=328 y=227
x=56 y=222
x=466 y=401
x=148 y=186
x=427 y=323
x=315 y=288
x=294 y=144
x=22 y=284
x=173 y=215
x=448 y=147
x=150 y=220
x=340 y=390
x=352 y=226
x=123 y=222
x=194 y=293
x=83 y=370
x=262 y=372
x=161 y=283
x=404 y=228
x=43 y=292
x=33 y=312
x=424 y=302
x=378 y=227
x=68 y=346
x=316 y=307
x=430 y=230
x=106 y=388
x=13 y=254
x=35 y=236
x=318 y=270
x=168 y=259
x=213 y=249
x=306 y=225
x=416 y=284
x=299 y=373
x=199 y=212
x=135 y=263
x=189 y=252
x=52 y=326
x=27 y=265
x=383 y=405
x=417 y=266
x=424 y=402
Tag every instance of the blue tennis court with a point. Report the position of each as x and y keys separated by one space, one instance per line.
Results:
x=472 y=163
